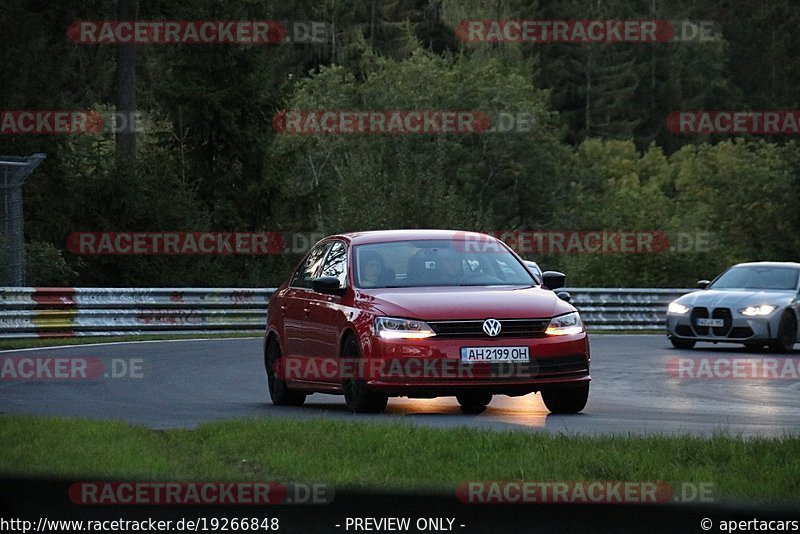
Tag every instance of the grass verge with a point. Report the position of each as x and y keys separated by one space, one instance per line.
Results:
x=391 y=455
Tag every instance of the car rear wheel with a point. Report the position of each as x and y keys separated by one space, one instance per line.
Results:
x=474 y=402
x=358 y=397
x=566 y=400
x=787 y=334
x=679 y=343
x=279 y=391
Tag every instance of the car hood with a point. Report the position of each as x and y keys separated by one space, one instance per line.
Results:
x=453 y=303
x=736 y=299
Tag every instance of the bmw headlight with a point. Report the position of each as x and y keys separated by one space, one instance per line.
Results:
x=764 y=309
x=392 y=328
x=674 y=307
x=564 y=325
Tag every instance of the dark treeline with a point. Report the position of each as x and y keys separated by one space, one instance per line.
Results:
x=599 y=158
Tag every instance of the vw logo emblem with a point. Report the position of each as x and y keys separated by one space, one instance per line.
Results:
x=492 y=327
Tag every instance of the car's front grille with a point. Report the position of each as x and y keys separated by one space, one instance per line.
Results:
x=725 y=330
x=474 y=329
x=727 y=318
x=699 y=313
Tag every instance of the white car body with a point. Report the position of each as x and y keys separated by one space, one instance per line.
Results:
x=754 y=316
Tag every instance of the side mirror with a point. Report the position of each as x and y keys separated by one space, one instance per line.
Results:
x=328 y=285
x=564 y=295
x=702 y=284
x=554 y=280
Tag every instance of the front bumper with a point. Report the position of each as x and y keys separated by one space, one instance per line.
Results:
x=432 y=367
x=736 y=328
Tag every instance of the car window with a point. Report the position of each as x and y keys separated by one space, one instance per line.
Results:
x=308 y=270
x=420 y=263
x=757 y=277
x=336 y=263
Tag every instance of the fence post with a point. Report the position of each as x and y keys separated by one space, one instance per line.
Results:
x=13 y=172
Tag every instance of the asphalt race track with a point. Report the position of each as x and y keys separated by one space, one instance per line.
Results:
x=186 y=383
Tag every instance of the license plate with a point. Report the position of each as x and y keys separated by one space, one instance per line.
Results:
x=494 y=354
x=710 y=322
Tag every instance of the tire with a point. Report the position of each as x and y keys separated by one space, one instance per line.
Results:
x=566 y=400
x=474 y=403
x=787 y=334
x=279 y=391
x=358 y=397
x=680 y=343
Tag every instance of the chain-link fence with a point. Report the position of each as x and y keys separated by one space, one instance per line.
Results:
x=13 y=172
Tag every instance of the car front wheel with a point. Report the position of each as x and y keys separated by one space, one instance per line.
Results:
x=787 y=334
x=358 y=397
x=566 y=400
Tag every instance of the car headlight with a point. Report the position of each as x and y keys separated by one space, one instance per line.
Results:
x=564 y=325
x=764 y=309
x=674 y=307
x=392 y=328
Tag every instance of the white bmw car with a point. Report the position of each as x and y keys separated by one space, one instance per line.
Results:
x=534 y=268
x=755 y=304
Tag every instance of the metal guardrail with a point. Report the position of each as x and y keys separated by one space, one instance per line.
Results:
x=625 y=308
x=67 y=312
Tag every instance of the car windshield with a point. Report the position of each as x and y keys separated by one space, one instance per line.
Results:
x=757 y=278
x=423 y=263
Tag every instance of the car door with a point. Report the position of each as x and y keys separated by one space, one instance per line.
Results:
x=297 y=300
x=327 y=313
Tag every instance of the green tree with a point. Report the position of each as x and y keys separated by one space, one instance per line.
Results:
x=466 y=181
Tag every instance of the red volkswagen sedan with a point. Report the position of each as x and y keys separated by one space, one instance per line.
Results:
x=423 y=313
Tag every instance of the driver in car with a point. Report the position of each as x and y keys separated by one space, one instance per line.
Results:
x=451 y=269
x=372 y=273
